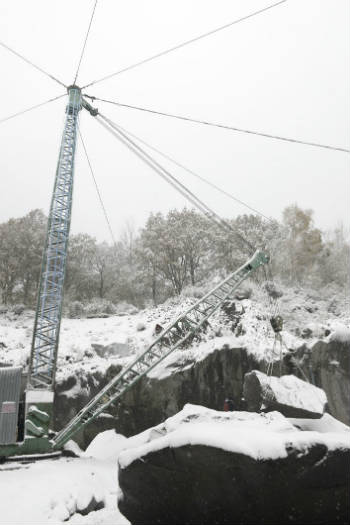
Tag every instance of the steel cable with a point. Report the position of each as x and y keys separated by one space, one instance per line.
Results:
x=97 y=189
x=31 y=108
x=165 y=174
x=32 y=64
x=200 y=177
x=84 y=45
x=222 y=126
x=183 y=44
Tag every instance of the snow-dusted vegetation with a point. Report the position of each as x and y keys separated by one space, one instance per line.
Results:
x=182 y=252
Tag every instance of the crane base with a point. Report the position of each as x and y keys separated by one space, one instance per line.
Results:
x=30 y=458
x=31 y=446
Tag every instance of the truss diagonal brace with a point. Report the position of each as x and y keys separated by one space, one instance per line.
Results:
x=43 y=356
x=175 y=336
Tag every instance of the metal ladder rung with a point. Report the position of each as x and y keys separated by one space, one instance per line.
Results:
x=197 y=325
x=132 y=372
x=199 y=311
x=208 y=302
x=219 y=296
x=153 y=354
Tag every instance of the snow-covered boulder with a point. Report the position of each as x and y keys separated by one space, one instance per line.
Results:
x=243 y=293
x=288 y=394
x=112 y=349
x=106 y=446
x=210 y=467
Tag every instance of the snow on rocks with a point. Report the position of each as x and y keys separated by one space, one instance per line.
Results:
x=288 y=394
x=92 y=344
x=113 y=349
x=341 y=334
x=206 y=466
x=106 y=446
x=260 y=436
x=326 y=423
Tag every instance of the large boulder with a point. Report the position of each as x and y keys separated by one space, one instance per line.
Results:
x=208 y=467
x=288 y=394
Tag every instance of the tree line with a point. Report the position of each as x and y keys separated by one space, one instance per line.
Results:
x=181 y=248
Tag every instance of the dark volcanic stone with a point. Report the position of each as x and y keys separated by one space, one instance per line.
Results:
x=272 y=290
x=207 y=382
x=193 y=485
x=93 y=505
x=272 y=393
x=327 y=365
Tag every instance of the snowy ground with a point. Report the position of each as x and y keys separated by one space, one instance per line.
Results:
x=307 y=318
x=53 y=491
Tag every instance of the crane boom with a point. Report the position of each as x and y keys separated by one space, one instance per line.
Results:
x=173 y=337
x=43 y=356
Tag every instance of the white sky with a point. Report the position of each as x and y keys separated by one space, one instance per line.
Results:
x=284 y=72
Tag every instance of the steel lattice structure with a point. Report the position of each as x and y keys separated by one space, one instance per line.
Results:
x=48 y=313
x=177 y=335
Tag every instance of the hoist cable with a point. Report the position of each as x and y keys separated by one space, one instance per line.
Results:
x=178 y=185
x=97 y=189
x=84 y=45
x=32 y=64
x=31 y=108
x=183 y=44
x=122 y=137
x=273 y=302
x=166 y=175
x=200 y=177
x=222 y=126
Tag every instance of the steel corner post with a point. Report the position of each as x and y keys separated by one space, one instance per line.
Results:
x=42 y=368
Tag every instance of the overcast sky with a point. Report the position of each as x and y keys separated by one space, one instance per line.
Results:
x=285 y=72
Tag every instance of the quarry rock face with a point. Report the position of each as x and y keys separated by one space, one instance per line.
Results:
x=72 y=394
x=327 y=365
x=154 y=399
x=238 y=470
x=330 y=364
x=207 y=382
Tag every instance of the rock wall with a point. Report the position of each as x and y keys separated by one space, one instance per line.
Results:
x=208 y=485
x=206 y=382
x=152 y=400
x=327 y=365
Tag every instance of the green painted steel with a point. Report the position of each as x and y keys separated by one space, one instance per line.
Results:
x=30 y=446
x=175 y=336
